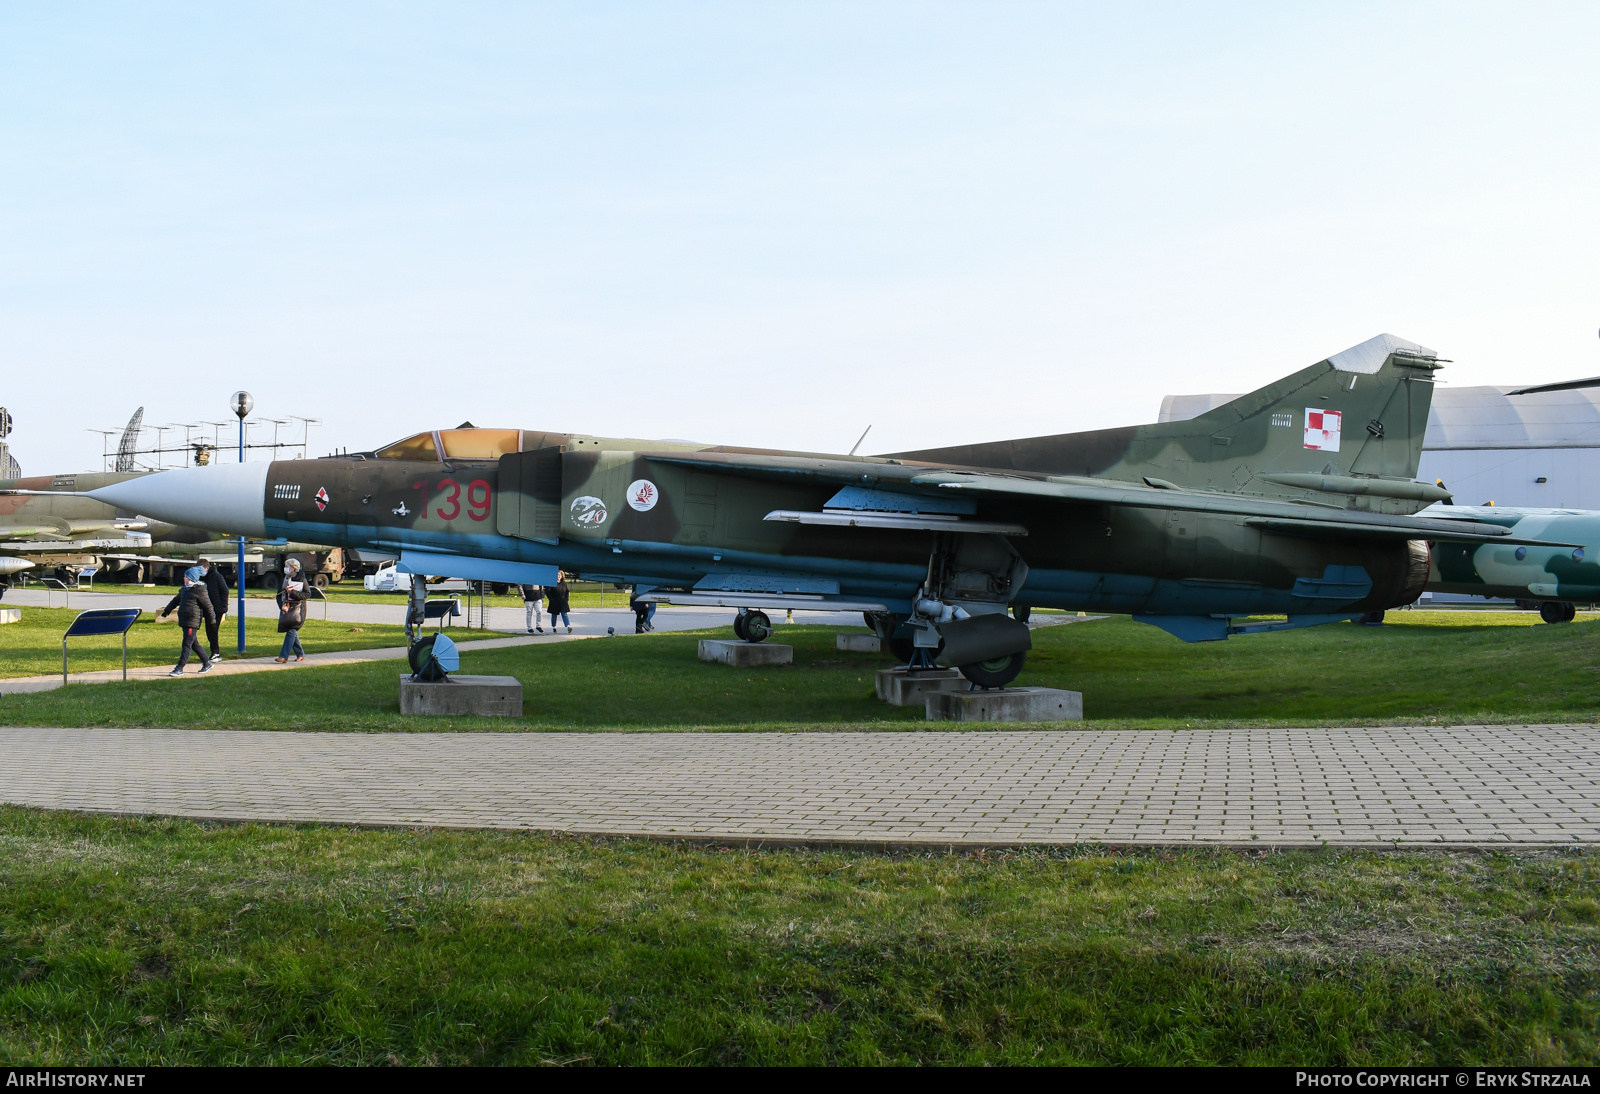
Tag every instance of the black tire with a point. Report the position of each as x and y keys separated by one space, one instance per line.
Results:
x=1372 y=619
x=1571 y=613
x=738 y=627
x=320 y=580
x=1021 y=612
x=500 y=588
x=996 y=673
x=1556 y=611
x=757 y=627
x=269 y=581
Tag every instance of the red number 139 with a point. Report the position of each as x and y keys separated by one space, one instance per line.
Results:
x=478 y=495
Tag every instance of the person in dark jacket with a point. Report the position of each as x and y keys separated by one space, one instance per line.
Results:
x=532 y=598
x=643 y=612
x=217 y=592
x=194 y=611
x=560 y=603
x=291 y=611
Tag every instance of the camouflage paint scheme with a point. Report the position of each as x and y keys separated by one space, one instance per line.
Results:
x=1177 y=523
x=1521 y=572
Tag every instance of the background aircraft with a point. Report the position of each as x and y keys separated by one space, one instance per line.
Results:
x=1551 y=576
x=1295 y=499
x=62 y=533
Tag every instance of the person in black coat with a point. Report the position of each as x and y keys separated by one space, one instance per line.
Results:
x=217 y=593
x=194 y=611
x=559 y=595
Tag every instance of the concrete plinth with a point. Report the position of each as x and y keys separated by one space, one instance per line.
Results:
x=14 y=615
x=496 y=696
x=745 y=654
x=900 y=687
x=857 y=643
x=1006 y=705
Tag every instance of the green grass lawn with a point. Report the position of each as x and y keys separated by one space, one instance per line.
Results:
x=134 y=942
x=1445 y=666
x=33 y=646
x=584 y=594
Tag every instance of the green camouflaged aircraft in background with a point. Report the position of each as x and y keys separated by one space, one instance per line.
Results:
x=1294 y=500
x=1552 y=577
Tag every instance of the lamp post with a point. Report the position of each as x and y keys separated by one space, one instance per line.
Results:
x=242 y=405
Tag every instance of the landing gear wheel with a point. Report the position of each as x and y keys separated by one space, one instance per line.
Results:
x=420 y=658
x=1557 y=611
x=738 y=627
x=996 y=673
x=757 y=627
x=1372 y=619
x=1021 y=612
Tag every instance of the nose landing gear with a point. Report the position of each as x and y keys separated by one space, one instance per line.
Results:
x=752 y=625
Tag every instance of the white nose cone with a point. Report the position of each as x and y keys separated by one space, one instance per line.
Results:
x=14 y=565
x=226 y=498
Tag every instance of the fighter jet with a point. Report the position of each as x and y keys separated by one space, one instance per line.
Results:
x=1294 y=500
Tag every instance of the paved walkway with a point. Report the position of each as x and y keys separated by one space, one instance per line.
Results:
x=1463 y=785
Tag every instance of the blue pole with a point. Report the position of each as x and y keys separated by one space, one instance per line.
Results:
x=238 y=573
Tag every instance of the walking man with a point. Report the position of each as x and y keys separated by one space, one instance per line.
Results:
x=217 y=592
x=532 y=599
x=194 y=611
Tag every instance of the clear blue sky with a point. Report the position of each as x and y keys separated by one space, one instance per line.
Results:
x=760 y=224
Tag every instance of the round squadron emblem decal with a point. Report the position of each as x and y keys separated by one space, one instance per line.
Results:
x=588 y=512
x=643 y=495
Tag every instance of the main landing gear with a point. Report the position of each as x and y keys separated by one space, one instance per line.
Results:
x=958 y=618
x=752 y=625
x=1558 y=611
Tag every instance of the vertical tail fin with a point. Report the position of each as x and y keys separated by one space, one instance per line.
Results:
x=1361 y=413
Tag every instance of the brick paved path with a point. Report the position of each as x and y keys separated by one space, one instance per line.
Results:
x=1458 y=785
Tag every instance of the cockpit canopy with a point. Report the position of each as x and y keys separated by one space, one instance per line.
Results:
x=467 y=443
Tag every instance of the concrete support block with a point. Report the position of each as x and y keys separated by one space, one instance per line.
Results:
x=14 y=615
x=857 y=643
x=495 y=696
x=745 y=654
x=900 y=687
x=1006 y=705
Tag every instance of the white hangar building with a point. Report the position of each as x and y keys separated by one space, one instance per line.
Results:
x=1533 y=446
